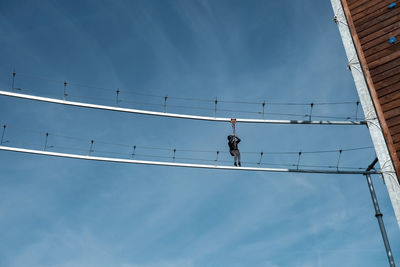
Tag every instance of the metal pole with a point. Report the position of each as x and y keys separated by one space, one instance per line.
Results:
x=133 y=152
x=311 y=109
x=65 y=90
x=378 y=214
x=13 y=80
x=117 y=100
x=2 y=135
x=215 y=107
x=263 y=107
x=45 y=142
x=91 y=147
x=165 y=103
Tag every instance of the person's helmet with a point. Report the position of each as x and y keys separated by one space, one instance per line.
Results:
x=229 y=137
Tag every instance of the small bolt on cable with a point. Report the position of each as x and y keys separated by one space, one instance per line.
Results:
x=336 y=19
x=311 y=110
x=116 y=99
x=261 y=155
x=165 y=103
x=173 y=158
x=2 y=135
x=215 y=107
x=13 y=80
x=45 y=147
x=298 y=160
x=357 y=104
x=65 y=90
x=352 y=62
x=338 y=161
x=91 y=147
x=216 y=160
x=263 y=108
x=45 y=141
x=133 y=152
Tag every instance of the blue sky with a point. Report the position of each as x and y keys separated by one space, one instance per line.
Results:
x=60 y=212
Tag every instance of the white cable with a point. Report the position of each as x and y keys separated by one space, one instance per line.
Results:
x=173 y=115
x=173 y=164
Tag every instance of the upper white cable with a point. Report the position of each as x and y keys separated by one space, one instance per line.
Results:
x=174 y=115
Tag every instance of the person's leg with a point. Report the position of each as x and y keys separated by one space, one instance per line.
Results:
x=233 y=153
x=235 y=157
x=238 y=157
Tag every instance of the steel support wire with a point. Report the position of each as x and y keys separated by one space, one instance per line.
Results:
x=173 y=115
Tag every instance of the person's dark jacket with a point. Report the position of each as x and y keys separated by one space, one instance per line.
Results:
x=233 y=142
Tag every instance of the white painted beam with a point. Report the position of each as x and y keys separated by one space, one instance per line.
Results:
x=173 y=115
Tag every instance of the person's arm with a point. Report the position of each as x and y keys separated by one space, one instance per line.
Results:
x=238 y=139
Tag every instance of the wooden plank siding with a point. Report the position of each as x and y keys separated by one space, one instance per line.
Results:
x=372 y=24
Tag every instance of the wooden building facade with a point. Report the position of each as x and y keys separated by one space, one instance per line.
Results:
x=375 y=29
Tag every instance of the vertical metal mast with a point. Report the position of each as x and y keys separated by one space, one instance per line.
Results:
x=378 y=214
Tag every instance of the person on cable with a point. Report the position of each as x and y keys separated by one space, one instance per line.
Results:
x=233 y=142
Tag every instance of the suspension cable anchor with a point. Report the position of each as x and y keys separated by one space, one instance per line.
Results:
x=65 y=90
x=357 y=104
x=45 y=142
x=91 y=147
x=216 y=160
x=263 y=108
x=215 y=107
x=338 y=161
x=2 y=135
x=311 y=110
x=117 y=95
x=261 y=155
x=298 y=160
x=165 y=103
x=13 y=80
x=133 y=152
